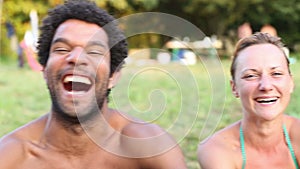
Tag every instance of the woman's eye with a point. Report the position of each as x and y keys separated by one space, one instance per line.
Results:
x=277 y=74
x=250 y=76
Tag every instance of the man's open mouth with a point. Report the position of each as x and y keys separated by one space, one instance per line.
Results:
x=76 y=84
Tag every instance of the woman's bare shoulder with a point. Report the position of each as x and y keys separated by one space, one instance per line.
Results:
x=218 y=151
x=222 y=137
x=293 y=127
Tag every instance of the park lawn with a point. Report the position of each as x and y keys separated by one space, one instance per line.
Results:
x=23 y=96
x=190 y=102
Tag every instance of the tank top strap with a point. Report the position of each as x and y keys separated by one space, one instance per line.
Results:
x=242 y=143
x=288 y=141
x=287 y=138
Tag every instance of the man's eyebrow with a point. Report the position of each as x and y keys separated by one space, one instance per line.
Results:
x=97 y=43
x=63 y=40
x=90 y=43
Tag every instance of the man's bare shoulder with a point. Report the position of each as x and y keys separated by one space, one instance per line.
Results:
x=219 y=150
x=11 y=151
x=13 y=145
x=30 y=130
x=151 y=145
x=133 y=127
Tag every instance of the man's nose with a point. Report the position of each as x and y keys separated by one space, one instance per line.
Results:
x=77 y=57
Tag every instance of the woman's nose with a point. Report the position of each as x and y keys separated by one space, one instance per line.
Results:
x=265 y=83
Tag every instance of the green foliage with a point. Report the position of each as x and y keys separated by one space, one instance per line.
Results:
x=17 y=12
x=5 y=50
x=219 y=17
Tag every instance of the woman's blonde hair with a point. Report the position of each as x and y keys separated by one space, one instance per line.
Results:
x=257 y=38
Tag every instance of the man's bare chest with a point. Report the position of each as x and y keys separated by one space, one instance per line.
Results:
x=49 y=159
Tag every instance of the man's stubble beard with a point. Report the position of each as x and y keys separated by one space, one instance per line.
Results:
x=68 y=119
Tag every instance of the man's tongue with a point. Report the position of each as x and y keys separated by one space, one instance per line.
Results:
x=76 y=84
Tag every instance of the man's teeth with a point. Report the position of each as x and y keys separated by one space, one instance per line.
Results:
x=76 y=92
x=78 y=79
x=76 y=84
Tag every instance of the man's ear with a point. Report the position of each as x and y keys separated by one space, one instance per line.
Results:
x=44 y=74
x=233 y=89
x=113 y=80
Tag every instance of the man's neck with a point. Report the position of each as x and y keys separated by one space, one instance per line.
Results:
x=75 y=139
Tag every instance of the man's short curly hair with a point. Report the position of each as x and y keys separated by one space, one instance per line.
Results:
x=89 y=12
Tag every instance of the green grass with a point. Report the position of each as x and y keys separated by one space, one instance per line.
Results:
x=23 y=96
x=185 y=100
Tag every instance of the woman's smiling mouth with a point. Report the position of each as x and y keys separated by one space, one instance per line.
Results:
x=267 y=100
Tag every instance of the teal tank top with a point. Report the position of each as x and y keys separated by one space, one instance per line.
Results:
x=287 y=138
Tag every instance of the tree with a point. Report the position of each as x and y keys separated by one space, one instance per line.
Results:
x=16 y=13
x=216 y=17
